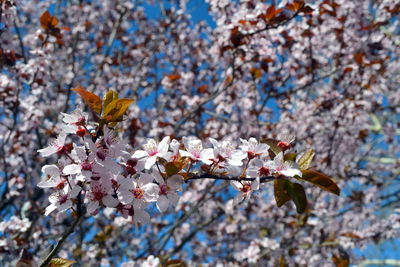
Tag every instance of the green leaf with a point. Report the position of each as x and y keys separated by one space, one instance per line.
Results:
x=116 y=108
x=281 y=191
x=305 y=160
x=321 y=180
x=273 y=145
x=289 y=157
x=60 y=262
x=92 y=100
x=175 y=263
x=108 y=98
x=172 y=168
x=298 y=195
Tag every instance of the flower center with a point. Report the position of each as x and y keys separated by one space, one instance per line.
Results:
x=61 y=150
x=263 y=171
x=164 y=189
x=86 y=166
x=138 y=193
x=246 y=188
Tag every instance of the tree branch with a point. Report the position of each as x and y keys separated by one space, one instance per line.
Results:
x=263 y=179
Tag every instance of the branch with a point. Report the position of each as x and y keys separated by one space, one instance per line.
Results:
x=263 y=179
x=390 y=262
x=60 y=242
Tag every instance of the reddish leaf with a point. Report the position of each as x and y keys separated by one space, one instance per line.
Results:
x=92 y=100
x=281 y=191
x=298 y=195
x=174 y=77
x=321 y=180
x=47 y=21
x=295 y=6
x=358 y=58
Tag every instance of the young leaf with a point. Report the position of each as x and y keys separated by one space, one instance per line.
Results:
x=281 y=191
x=273 y=145
x=108 y=98
x=92 y=100
x=174 y=167
x=321 y=180
x=289 y=157
x=60 y=262
x=116 y=108
x=305 y=160
x=47 y=21
x=298 y=195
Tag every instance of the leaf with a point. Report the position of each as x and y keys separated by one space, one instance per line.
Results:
x=108 y=98
x=60 y=262
x=305 y=160
x=92 y=100
x=272 y=13
x=116 y=108
x=298 y=195
x=175 y=263
x=282 y=262
x=47 y=21
x=340 y=260
x=174 y=77
x=290 y=157
x=321 y=180
x=295 y=6
x=281 y=192
x=174 y=167
x=273 y=145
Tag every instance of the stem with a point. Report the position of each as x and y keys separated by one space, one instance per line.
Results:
x=60 y=242
x=263 y=179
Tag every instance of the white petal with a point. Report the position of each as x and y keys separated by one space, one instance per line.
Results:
x=238 y=186
x=163 y=145
x=151 y=192
x=51 y=170
x=255 y=185
x=145 y=178
x=140 y=154
x=109 y=201
x=92 y=206
x=173 y=198
x=49 y=209
x=75 y=191
x=72 y=169
x=238 y=198
x=291 y=172
x=150 y=162
x=45 y=152
x=186 y=154
x=46 y=184
x=66 y=205
x=126 y=197
x=162 y=203
x=175 y=181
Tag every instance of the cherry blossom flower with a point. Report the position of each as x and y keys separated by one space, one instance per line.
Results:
x=167 y=195
x=134 y=190
x=195 y=151
x=100 y=192
x=280 y=167
x=245 y=189
x=85 y=164
x=286 y=140
x=253 y=148
x=152 y=151
x=53 y=177
x=226 y=151
x=61 y=199
x=56 y=147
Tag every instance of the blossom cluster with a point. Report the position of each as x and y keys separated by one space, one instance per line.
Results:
x=102 y=171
